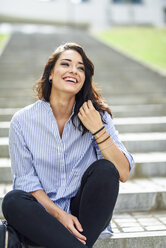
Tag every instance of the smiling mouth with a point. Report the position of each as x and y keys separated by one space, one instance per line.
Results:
x=71 y=80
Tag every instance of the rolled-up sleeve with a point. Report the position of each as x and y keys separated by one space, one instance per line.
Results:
x=109 y=126
x=23 y=171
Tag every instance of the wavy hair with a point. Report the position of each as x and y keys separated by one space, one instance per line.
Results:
x=89 y=91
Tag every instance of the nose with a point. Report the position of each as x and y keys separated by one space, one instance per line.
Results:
x=73 y=69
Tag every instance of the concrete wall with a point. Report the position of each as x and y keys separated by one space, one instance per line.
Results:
x=149 y=12
x=98 y=13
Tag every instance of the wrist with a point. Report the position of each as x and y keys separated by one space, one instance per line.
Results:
x=97 y=131
x=58 y=213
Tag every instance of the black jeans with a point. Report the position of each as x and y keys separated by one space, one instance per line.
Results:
x=93 y=205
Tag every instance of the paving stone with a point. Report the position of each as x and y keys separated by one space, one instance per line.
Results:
x=156 y=227
x=127 y=224
x=133 y=229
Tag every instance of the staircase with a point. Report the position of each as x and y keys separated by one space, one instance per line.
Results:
x=139 y=219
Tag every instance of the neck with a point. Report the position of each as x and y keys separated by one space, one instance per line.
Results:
x=62 y=106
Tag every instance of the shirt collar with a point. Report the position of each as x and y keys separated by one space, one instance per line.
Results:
x=48 y=107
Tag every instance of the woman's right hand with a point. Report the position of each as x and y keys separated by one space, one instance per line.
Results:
x=72 y=224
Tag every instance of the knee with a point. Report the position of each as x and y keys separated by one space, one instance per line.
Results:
x=106 y=168
x=11 y=201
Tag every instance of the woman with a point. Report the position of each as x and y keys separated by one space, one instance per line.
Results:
x=66 y=158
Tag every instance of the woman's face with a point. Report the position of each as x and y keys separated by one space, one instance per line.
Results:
x=68 y=74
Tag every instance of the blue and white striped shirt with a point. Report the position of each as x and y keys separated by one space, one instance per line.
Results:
x=41 y=159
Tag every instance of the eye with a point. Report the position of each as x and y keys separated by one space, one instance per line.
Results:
x=65 y=64
x=81 y=68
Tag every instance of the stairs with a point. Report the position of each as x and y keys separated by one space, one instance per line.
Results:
x=139 y=218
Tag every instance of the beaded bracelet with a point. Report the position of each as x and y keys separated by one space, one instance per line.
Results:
x=98 y=130
x=103 y=140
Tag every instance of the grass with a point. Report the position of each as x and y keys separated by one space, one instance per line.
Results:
x=3 y=40
x=146 y=44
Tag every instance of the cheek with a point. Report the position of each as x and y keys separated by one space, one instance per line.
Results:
x=58 y=72
x=83 y=78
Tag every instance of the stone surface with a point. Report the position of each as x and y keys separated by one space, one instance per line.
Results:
x=134 y=195
x=135 y=230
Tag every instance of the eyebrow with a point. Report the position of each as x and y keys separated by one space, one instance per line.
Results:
x=71 y=61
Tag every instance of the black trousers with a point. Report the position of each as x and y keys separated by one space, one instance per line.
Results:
x=93 y=205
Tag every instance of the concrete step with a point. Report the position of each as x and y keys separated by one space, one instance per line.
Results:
x=141 y=124
x=4 y=128
x=5 y=170
x=4 y=146
x=134 y=195
x=7 y=113
x=133 y=98
x=123 y=125
x=150 y=164
x=119 y=111
x=15 y=92
x=138 y=110
x=134 y=142
x=135 y=230
x=147 y=165
x=144 y=142
x=16 y=102
x=142 y=195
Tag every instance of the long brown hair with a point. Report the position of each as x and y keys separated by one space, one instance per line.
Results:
x=89 y=91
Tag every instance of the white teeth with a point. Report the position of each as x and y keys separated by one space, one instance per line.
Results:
x=70 y=79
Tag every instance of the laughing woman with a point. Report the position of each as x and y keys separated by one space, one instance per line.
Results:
x=66 y=158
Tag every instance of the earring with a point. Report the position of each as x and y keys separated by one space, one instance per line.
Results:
x=50 y=81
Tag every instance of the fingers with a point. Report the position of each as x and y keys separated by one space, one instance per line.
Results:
x=78 y=235
x=86 y=107
x=89 y=116
x=90 y=104
x=78 y=225
x=82 y=241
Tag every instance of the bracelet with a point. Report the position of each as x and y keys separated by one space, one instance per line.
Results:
x=107 y=146
x=103 y=140
x=101 y=135
x=98 y=130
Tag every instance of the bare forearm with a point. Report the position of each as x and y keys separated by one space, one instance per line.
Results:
x=112 y=153
x=69 y=221
x=91 y=119
x=49 y=205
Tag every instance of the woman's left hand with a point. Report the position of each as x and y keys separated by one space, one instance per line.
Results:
x=90 y=117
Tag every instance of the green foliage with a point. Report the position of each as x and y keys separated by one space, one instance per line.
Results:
x=3 y=39
x=147 y=44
